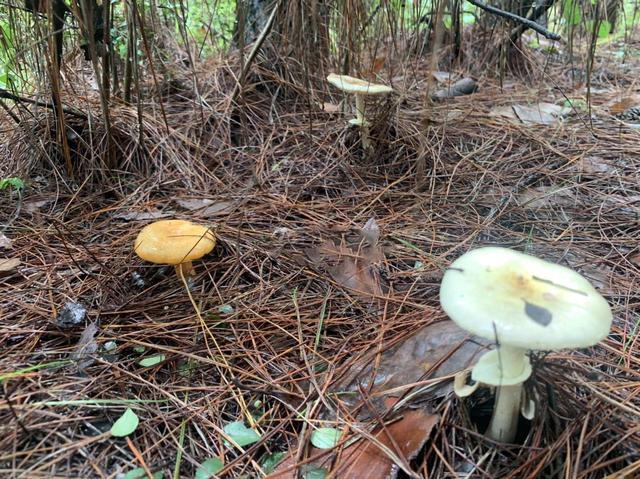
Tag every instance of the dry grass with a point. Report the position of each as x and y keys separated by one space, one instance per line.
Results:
x=286 y=176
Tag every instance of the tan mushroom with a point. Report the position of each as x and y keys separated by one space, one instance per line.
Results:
x=360 y=88
x=174 y=242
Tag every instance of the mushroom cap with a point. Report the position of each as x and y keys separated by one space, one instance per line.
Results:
x=173 y=242
x=523 y=301
x=355 y=85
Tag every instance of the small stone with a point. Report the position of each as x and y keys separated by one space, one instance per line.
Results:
x=72 y=314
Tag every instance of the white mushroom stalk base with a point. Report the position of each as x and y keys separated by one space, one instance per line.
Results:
x=506 y=411
x=513 y=362
x=364 y=125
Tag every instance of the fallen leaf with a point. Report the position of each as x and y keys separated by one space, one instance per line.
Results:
x=371 y=232
x=192 y=204
x=8 y=264
x=217 y=208
x=378 y=64
x=352 y=270
x=442 y=77
x=436 y=350
x=330 y=107
x=546 y=196
x=144 y=215
x=365 y=458
x=623 y=104
x=539 y=114
x=593 y=164
x=4 y=241
x=32 y=206
x=86 y=347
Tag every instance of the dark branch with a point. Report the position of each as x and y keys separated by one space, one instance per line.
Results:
x=19 y=99
x=517 y=18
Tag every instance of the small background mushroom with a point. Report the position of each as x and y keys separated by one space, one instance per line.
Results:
x=360 y=88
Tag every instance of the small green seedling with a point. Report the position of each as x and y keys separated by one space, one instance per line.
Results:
x=13 y=182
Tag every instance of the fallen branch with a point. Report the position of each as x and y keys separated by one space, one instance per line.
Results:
x=517 y=18
x=19 y=99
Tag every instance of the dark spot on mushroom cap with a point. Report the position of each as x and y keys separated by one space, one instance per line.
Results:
x=539 y=314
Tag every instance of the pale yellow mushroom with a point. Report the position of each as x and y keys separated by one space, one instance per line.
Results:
x=360 y=88
x=523 y=303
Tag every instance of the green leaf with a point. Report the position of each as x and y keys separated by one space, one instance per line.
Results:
x=139 y=349
x=140 y=473
x=312 y=472
x=13 y=181
x=209 y=467
x=241 y=434
x=572 y=12
x=447 y=21
x=151 y=360
x=325 y=437
x=270 y=462
x=468 y=18
x=603 y=28
x=126 y=424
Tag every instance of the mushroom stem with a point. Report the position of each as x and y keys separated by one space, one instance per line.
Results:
x=506 y=411
x=360 y=107
x=504 y=422
x=362 y=121
x=184 y=269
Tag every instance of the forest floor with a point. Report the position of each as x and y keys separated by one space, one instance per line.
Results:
x=328 y=261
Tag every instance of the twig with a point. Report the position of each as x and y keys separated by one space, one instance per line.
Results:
x=517 y=18
x=254 y=51
x=19 y=99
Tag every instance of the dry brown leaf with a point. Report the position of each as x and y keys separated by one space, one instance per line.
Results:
x=378 y=64
x=8 y=264
x=546 y=196
x=623 y=104
x=355 y=268
x=192 y=204
x=32 y=206
x=591 y=165
x=86 y=347
x=4 y=241
x=144 y=215
x=442 y=77
x=365 y=458
x=330 y=107
x=436 y=350
x=217 y=208
x=352 y=270
x=539 y=114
